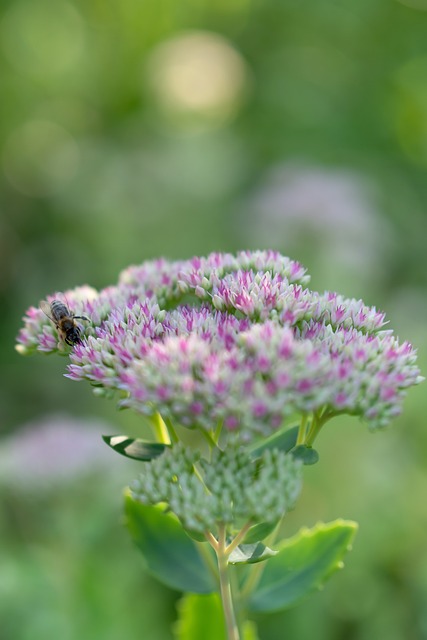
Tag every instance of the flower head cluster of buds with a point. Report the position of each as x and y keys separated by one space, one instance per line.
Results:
x=231 y=488
x=234 y=339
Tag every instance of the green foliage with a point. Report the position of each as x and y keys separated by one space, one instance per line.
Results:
x=320 y=95
x=134 y=448
x=200 y=616
x=284 y=440
x=303 y=564
x=307 y=455
x=259 y=532
x=169 y=554
x=230 y=488
x=68 y=570
x=251 y=553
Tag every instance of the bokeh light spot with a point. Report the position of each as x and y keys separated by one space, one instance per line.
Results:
x=197 y=78
x=40 y=158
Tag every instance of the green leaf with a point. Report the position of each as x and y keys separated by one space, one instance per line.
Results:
x=259 y=532
x=284 y=441
x=307 y=455
x=195 y=535
x=303 y=564
x=134 y=448
x=202 y=617
x=169 y=554
x=250 y=553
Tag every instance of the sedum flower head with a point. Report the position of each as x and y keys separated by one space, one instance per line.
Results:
x=238 y=339
x=231 y=488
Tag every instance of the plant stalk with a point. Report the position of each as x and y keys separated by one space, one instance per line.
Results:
x=160 y=429
x=225 y=587
x=302 y=431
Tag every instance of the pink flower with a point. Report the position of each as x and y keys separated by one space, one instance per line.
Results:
x=250 y=346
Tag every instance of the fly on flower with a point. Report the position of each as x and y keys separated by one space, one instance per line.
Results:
x=64 y=321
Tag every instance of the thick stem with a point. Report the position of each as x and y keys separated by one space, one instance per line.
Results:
x=225 y=587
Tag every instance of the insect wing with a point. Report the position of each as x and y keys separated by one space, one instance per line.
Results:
x=45 y=307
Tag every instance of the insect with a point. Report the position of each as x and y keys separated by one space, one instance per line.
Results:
x=64 y=320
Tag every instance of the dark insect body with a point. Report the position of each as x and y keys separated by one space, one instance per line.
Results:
x=64 y=321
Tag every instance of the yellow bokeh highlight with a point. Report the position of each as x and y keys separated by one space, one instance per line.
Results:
x=198 y=78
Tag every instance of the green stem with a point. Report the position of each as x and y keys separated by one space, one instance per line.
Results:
x=319 y=419
x=160 y=430
x=240 y=613
x=225 y=586
x=199 y=475
x=257 y=570
x=302 y=430
x=218 y=431
x=212 y=541
x=238 y=538
x=209 y=438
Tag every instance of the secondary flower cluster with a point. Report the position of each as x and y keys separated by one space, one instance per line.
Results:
x=238 y=339
x=230 y=488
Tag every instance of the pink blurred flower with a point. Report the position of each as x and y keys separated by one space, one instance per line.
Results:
x=51 y=450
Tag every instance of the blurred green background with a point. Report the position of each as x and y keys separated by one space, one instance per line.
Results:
x=140 y=128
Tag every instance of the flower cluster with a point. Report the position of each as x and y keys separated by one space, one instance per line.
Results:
x=237 y=339
x=231 y=488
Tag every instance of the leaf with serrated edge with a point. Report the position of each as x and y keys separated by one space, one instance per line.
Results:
x=303 y=564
